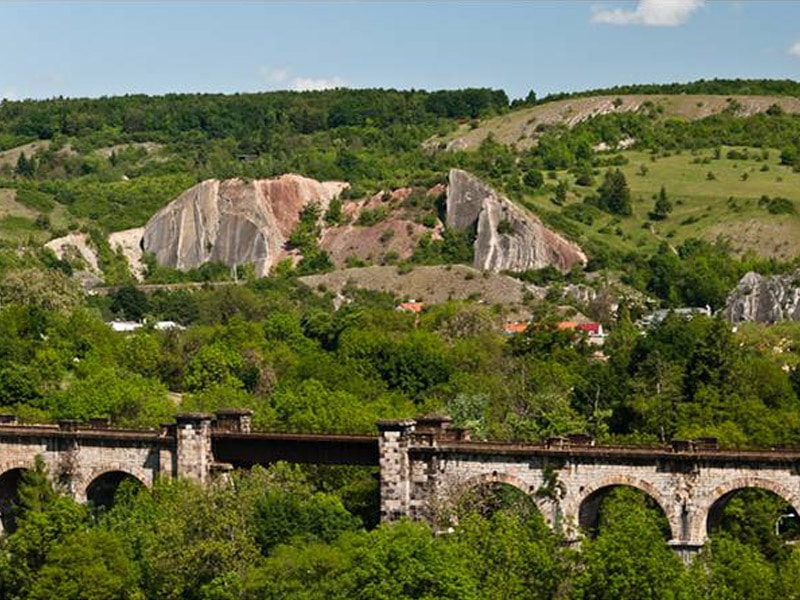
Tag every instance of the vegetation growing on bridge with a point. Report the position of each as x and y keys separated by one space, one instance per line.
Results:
x=277 y=534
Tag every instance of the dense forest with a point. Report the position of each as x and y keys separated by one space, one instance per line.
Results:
x=311 y=360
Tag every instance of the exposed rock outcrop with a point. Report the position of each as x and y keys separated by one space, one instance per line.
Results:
x=765 y=299
x=508 y=237
x=129 y=242
x=233 y=221
x=75 y=248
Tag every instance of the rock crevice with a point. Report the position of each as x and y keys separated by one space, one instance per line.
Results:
x=508 y=238
x=765 y=299
x=233 y=221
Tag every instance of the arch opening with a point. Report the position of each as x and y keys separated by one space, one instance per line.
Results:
x=491 y=497
x=10 y=482
x=755 y=516
x=102 y=490
x=596 y=505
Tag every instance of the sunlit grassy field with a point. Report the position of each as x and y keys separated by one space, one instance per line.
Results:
x=710 y=197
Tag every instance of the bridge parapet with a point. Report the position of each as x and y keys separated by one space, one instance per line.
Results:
x=426 y=463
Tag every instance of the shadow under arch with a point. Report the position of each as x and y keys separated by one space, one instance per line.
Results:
x=592 y=497
x=489 y=493
x=102 y=489
x=10 y=481
x=723 y=494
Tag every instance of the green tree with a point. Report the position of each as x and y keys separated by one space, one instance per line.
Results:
x=629 y=558
x=727 y=568
x=25 y=167
x=87 y=565
x=45 y=518
x=533 y=179
x=614 y=194
x=560 y=196
x=662 y=207
x=129 y=303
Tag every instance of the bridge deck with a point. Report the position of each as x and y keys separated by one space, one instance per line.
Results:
x=636 y=453
x=247 y=449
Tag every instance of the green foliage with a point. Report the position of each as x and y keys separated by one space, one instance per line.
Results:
x=454 y=248
x=334 y=215
x=45 y=518
x=505 y=227
x=87 y=565
x=35 y=200
x=533 y=179
x=777 y=205
x=371 y=216
x=613 y=194
x=662 y=207
x=285 y=516
x=129 y=303
x=629 y=558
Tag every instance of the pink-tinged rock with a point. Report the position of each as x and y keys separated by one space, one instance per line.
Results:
x=233 y=221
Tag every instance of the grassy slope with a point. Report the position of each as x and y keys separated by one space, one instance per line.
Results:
x=701 y=207
x=519 y=127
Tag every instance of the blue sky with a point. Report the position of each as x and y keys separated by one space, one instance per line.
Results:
x=109 y=48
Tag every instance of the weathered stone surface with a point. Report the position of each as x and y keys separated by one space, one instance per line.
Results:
x=233 y=221
x=765 y=299
x=424 y=475
x=129 y=242
x=75 y=246
x=527 y=244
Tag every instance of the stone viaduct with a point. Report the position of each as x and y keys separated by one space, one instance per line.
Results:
x=425 y=467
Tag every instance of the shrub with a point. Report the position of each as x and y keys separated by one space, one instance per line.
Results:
x=505 y=227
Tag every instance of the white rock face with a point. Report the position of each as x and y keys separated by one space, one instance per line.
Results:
x=75 y=245
x=233 y=221
x=765 y=299
x=130 y=243
x=525 y=242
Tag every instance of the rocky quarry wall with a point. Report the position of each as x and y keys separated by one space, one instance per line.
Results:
x=233 y=221
x=525 y=242
x=765 y=299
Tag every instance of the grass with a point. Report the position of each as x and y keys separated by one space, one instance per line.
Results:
x=725 y=206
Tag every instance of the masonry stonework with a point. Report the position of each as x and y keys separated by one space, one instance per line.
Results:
x=77 y=456
x=424 y=469
x=426 y=466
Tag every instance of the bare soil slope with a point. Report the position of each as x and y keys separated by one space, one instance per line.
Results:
x=11 y=156
x=520 y=127
x=431 y=284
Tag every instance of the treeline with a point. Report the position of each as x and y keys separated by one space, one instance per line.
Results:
x=250 y=118
x=717 y=87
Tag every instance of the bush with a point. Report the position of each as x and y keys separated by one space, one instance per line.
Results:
x=505 y=227
x=583 y=213
x=777 y=205
x=370 y=216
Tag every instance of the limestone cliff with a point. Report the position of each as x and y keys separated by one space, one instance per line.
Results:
x=508 y=237
x=233 y=221
x=765 y=299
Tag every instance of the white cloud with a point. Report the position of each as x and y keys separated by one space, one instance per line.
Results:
x=654 y=13
x=305 y=84
x=282 y=77
x=795 y=49
x=9 y=94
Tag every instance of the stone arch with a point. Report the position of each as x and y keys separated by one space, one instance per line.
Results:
x=586 y=509
x=489 y=479
x=102 y=487
x=10 y=479
x=715 y=501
